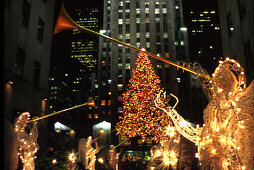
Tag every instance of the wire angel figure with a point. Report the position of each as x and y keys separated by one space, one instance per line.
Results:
x=112 y=157
x=87 y=152
x=27 y=141
x=227 y=140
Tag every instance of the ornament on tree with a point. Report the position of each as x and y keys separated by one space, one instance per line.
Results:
x=27 y=142
x=140 y=115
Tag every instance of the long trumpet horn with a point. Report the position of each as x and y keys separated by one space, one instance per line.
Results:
x=64 y=22
x=90 y=103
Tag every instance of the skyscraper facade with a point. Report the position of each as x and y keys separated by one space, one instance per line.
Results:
x=27 y=44
x=151 y=24
x=202 y=22
x=236 y=18
x=84 y=47
x=28 y=26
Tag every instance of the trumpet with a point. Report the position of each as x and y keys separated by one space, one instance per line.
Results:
x=65 y=22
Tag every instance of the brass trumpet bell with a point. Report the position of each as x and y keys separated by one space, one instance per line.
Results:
x=92 y=103
x=64 y=22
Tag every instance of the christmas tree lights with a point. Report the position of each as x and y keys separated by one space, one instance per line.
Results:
x=140 y=115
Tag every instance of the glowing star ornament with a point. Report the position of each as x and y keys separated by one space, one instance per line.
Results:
x=140 y=115
x=27 y=142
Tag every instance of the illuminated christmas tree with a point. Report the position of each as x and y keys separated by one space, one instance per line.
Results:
x=140 y=115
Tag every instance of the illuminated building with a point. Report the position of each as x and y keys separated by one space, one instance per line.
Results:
x=151 y=24
x=202 y=22
x=84 y=47
x=236 y=18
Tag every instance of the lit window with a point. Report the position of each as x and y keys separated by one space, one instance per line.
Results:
x=128 y=36
x=138 y=11
x=137 y=20
x=147 y=44
x=157 y=11
x=120 y=98
x=90 y=116
x=120 y=36
x=120 y=21
x=120 y=87
x=96 y=116
x=147 y=10
x=165 y=35
x=164 y=10
x=103 y=102
x=147 y=34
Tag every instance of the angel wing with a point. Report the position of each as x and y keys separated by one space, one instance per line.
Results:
x=82 y=149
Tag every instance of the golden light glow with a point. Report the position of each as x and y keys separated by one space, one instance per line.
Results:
x=101 y=160
x=72 y=157
x=54 y=161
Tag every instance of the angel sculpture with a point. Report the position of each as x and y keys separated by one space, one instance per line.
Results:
x=27 y=142
x=87 y=152
x=112 y=157
x=226 y=141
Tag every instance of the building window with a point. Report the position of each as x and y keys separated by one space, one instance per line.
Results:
x=120 y=27
x=157 y=27
x=241 y=8
x=20 y=61
x=147 y=27
x=138 y=20
x=138 y=28
x=40 y=30
x=36 y=73
x=25 y=13
x=165 y=27
x=120 y=87
x=147 y=35
x=127 y=28
x=158 y=38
